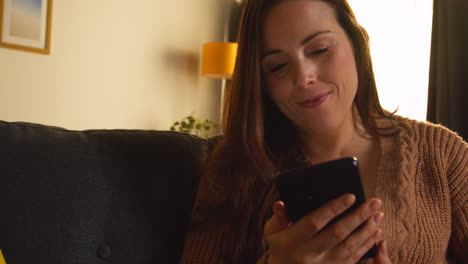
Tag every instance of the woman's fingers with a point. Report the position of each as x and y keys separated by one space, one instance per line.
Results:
x=314 y=222
x=285 y=244
x=363 y=239
x=279 y=221
x=349 y=238
x=376 y=236
x=341 y=229
x=280 y=212
x=382 y=254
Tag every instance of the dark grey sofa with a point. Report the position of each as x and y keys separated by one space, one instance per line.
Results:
x=96 y=196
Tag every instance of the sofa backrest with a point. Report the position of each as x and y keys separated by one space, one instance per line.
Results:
x=96 y=196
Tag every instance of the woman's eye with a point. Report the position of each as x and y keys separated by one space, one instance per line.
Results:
x=278 y=67
x=318 y=52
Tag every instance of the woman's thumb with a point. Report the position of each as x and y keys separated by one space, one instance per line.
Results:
x=279 y=221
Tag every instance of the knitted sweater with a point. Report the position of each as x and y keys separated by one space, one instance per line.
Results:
x=422 y=181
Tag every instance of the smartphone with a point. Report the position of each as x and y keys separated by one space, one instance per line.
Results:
x=307 y=188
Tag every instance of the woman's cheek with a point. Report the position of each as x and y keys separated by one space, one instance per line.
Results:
x=272 y=86
x=328 y=69
x=281 y=91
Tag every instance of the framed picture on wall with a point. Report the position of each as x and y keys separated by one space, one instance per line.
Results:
x=25 y=25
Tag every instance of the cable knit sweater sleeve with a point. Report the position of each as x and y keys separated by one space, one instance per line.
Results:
x=456 y=155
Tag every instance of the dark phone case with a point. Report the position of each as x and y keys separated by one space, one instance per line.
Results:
x=305 y=189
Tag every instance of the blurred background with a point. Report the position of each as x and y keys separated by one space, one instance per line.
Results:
x=122 y=64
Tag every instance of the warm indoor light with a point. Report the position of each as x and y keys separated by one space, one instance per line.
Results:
x=219 y=59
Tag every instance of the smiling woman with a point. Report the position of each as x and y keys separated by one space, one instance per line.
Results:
x=304 y=92
x=314 y=54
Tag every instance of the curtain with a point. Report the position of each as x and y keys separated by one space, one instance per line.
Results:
x=448 y=79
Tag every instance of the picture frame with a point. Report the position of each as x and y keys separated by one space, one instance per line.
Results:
x=26 y=25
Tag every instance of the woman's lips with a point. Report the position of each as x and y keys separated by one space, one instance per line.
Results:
x=315 y=101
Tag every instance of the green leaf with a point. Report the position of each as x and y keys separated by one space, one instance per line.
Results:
x=194 y=125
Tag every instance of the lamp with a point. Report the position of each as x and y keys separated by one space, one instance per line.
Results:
x=218 y=62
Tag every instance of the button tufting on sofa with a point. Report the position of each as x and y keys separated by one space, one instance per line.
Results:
x=104 y=251
x=62 y=190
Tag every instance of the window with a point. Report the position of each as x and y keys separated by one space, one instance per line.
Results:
x=400 y=40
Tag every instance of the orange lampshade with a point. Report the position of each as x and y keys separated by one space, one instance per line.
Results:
x=219 y=59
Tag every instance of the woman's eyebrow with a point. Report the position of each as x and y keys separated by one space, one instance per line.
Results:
x=303 y=42
x=310 y=37
x=270 y=52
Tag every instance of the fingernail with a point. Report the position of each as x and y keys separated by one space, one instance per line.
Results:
x=378 y=217
x=376 y=204
x=349 y=199
x=377 y=233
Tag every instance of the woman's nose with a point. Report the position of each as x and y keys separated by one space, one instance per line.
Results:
x=305 y=74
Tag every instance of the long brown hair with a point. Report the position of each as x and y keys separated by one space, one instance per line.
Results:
x=259 y=140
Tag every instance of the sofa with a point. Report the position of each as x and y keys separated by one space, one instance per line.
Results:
x=95 y=196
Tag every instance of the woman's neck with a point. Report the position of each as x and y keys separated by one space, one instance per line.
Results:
x=345 y=141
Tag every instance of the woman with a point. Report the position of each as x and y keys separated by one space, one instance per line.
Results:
x=303 y=92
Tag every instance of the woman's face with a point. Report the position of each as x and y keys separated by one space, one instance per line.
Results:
x=308 y=65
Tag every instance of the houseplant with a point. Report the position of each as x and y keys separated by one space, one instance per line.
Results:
x=195 y=126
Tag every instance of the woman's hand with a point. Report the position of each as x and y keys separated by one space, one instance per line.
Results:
x=382 y=254
x=308 y=242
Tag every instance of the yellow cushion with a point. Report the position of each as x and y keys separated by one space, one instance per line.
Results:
x=2 y=260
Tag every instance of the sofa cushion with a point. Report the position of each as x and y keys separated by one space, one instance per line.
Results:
x=95 y=196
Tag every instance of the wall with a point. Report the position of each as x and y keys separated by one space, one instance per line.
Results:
x=116 y=64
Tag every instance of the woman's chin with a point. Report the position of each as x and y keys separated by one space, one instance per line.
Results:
x=325 y=124
x=319 y=128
